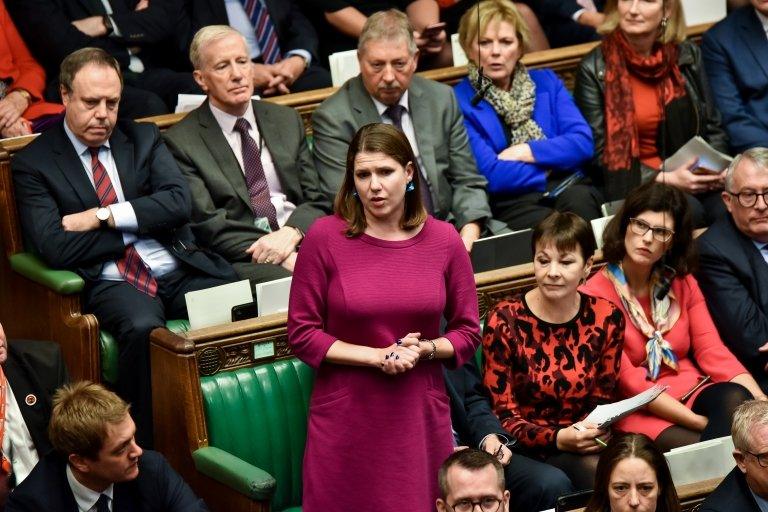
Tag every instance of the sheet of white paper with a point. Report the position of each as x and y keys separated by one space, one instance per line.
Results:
x=701 y=461
x=709 y=157
x=459 y=57
x=213 y=306
x=189 y=102
x=703 y=11
x=272 y=296
x=344 y=65
x=598 y=226
x=604 y=415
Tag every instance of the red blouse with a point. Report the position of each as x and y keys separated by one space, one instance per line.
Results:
x=543 y=377
x=647 y=118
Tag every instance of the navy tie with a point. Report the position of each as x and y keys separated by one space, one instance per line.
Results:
x=102 y=505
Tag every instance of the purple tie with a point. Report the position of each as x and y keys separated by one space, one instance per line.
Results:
x=395 y=113
x=258 y=190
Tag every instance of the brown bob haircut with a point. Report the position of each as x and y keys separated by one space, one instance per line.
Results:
x=567 y=232
x=386 y=139
x=625 y=447
x=655 y=197
x=78 y=59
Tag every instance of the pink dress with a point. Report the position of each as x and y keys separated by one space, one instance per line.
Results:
x=694 y=334
x=374 y=441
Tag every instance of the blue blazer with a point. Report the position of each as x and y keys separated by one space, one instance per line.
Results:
x=567 y=146
x=736 y=60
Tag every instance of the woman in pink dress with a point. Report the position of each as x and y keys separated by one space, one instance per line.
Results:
x=669 y=338
x=370 y=288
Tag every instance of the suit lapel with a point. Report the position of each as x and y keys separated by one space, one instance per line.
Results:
x=271 y=136
x=422 y=121
x=122 y=153
x=23 y=384
x=362 y=105
x=70 y=165
x=217 y=144
x=754 y=37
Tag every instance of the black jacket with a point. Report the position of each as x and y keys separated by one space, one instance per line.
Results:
x=732 y=494
x=693 y=114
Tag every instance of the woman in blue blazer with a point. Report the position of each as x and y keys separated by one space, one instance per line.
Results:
x=526 y=132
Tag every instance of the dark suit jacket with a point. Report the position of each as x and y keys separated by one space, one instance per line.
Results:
x=35 y=368
x=50 y=182
x=736 y=60
x=731 y=495
x=734 y=278
x=222 y=218
x=546 y=9
x=46 y=26
x=158 y=488
x=471 y=414
x=458 y=190
x=294 y=31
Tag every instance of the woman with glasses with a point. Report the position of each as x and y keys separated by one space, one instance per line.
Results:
x=669 y=338
x=552 y=354
x=633 y=476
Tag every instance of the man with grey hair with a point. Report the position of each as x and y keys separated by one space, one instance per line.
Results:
x=386 y=90
x=472 y=477
x=254 y=186
x=746 y=487
x=734 y=263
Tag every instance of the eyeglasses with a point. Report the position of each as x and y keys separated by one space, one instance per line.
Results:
x=640 y=228
x=749 y=199
x=762 y=458
x=487 y=504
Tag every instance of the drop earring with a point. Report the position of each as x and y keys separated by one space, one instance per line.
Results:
x=410 y=187
x=664 y=22
x=354 y=194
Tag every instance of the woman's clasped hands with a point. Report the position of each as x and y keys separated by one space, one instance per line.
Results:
x=402 y=355
x=582 y=438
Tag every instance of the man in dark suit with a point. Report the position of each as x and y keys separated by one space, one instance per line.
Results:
x=142 y=35
x=33 y=371
x=735 y=55
x=225 y=181
x=533 y=485
x=387 y=91
x=745 y=489
x=282 y=43
x=568 y=22
x=111 y=204
x=733 y=264
x=97 y=464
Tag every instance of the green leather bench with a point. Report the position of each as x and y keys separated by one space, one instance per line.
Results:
x=65 y=282
x=257 y=427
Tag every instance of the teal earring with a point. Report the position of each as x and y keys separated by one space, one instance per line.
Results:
x=410 y=187
x=354 y=193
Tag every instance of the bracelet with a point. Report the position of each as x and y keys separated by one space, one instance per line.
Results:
x=434 y=350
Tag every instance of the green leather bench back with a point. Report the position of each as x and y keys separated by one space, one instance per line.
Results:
x=260 y=415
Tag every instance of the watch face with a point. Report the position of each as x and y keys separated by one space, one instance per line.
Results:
x=102 y=213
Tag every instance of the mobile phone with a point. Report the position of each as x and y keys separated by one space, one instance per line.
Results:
x=432 y=31
x=573 y=501
x=245 y=311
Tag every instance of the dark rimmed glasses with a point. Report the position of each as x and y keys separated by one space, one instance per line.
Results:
x=748 y=199
x=762 y=458
x=486 y=503
x=640 y=228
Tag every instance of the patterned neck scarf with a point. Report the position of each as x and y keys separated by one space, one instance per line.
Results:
x=665 y=313
x=660 y=67
x=515 y=106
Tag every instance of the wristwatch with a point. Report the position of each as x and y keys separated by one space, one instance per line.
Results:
x=103 y=215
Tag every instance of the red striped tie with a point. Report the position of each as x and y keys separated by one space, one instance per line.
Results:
x=264 y=30
x=131 y=266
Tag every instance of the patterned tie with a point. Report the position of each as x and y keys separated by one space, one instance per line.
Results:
x=131 y=266
x=256 y=181
x=264 y=30
x=395 y=113
x=102 y=504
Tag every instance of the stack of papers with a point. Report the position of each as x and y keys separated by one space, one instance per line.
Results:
x=710 y=159
x=701 y=461
x=604 y=415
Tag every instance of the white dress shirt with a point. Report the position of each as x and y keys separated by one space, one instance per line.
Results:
x=763 y=20
x=86 y=498
x=407 y=124
x=17 y=441
x=586 y=6
x=239 y=20
x=135 y=63
x=283 y=207
x=152 y=252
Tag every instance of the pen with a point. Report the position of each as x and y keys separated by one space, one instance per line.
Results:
x=597 y=439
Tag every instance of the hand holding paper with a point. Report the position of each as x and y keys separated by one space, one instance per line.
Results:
x=605 y=415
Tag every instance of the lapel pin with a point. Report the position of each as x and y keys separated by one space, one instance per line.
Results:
x=31 y=399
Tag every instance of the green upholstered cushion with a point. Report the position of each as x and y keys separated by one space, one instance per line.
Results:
x=234 y=472
x=259 y=415
x=32 y=267
x=292 y=509
x=109 y=351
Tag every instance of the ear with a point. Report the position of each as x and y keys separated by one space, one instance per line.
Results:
x=409 y=170
x=588 y=266
x=727 y=198
x=64 y=95
x=198 y=76
x=441 y=506
x=79 y=462
x=506 y=501
x=741 y=460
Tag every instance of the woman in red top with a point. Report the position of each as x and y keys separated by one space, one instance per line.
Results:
x=553 y=354
x=670 y=338
x=22 y=108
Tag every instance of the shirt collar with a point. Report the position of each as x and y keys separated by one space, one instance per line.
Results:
x=80 y=147
x=380 y=107
x=762 y=503
x=227 y=121
x=86 y=498
x=763 y=20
